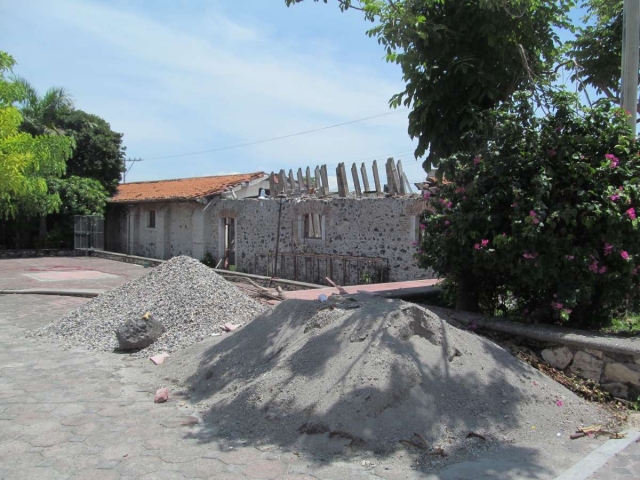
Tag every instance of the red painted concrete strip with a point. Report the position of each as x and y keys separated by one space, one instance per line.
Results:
x=377 y=287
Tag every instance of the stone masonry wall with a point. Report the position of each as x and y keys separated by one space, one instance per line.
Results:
x=618 y=374
x=371 y=227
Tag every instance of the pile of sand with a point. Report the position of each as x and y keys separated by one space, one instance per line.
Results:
x=374 y=378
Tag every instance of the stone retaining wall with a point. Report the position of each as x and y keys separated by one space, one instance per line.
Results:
x=32 y=252
x=618 y=374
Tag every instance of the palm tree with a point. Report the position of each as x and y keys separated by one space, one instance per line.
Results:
x=41 y=114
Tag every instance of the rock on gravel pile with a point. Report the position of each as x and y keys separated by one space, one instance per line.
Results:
x=373 y=379
x=188 y=298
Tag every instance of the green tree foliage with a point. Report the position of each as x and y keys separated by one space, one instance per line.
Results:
x=26 y=161
x=597 y=49
x=540 y=220
x=99 y=152
x=80 y=196
x=461 y=57
x=41 y=114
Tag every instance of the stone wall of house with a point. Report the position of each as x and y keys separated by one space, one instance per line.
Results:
x=617 y=373
x=360 y=227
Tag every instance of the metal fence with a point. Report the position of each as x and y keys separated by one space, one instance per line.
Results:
x=88 y=232
x=313 y=268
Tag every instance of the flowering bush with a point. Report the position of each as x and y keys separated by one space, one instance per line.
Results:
x=541 y=219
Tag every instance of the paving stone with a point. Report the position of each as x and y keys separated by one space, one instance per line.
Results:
x=202 y=468
x=14 y=448
x=137 y=466
x=96 y=474
x=266 y=469
x=108 y=464
x=228 y=476
x=118 y=452
x=50 y=439
x=239 y=456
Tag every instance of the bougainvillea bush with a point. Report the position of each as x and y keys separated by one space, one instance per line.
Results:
x=540 y=220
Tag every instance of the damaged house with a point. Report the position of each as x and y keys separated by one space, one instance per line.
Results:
x=266 y=225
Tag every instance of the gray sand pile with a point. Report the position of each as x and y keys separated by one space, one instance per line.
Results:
x=369 y=379
x=188 y=298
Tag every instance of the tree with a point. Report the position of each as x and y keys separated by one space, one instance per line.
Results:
x=541 y=219
x=462 y=57
x=99 y=153
x=597 y=50
x=26 y=161
x=42 y=114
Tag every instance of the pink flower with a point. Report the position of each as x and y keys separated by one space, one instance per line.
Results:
x=422 y=226
x=593 y=266
x=631 y=213
x=570 y=257
x=449 y=204
x=621 y=188
x=602 y=270
x=504 y=234
x=477 y=246
x=559 y=403
x=552 y=153
x=484 y=242
x=413 y=244
x=608 y=248
x=529 y=256
x=477 y=160
x=613 y=160
x=536 y=221
x=514 y=205
x=426 y=194
x=567 y=311
x=533 y=213
x=556 y=305
x=447 y=222
x=460 y=190
x=624 y=254
x=615 y=197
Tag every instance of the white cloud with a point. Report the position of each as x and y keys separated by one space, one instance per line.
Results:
x=197 y=83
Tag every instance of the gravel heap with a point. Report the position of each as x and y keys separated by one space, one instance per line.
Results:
x=187 y=297
x=373 y=375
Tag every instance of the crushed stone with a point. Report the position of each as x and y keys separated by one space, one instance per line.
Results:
x=189 y=299
x=387 y=378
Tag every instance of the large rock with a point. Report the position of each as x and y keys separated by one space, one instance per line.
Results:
x=559 y=358
x=617 y=389
x=587 y=366
x=617 y=372
x=139 y=333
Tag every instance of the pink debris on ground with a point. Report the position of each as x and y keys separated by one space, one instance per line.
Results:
x=162 y=395
x=160 y=358
x=230 y=327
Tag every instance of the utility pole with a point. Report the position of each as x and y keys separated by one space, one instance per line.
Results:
x=630 y=45
x=132 y=161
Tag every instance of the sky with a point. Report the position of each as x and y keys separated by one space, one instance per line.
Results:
x=178 y=77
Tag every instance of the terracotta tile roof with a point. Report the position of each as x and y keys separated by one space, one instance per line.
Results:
x=181 y=188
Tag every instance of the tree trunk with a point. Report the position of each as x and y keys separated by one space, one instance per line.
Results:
x=42 y=235
x=467 y=293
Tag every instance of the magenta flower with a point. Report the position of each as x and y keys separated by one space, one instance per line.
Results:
x=477 y=246
x=613 y=160
x=556 y=305
x=570 y=257
x=602 y=270
x=631 y=213
x=529 y=256
x=426 y=194
x=532 y=213
x=447 y=222
x=608 y=248
x=413 y=244
x=552 y=153
x=422 y=226
x=536 y=221
x=559 y=403
x=449 y=204
x=624 y=254
x=484 y=242
x=477 y=160
x=593 y=266
x=614 y=197
x=460 y=190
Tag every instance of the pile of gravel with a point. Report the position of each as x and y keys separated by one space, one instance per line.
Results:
x=188 y=298
x=373 y=375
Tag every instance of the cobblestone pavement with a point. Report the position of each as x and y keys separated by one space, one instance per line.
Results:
x=77 y=414
x=624 y=465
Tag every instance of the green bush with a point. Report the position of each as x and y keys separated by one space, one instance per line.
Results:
x=209 y=260
x=540 y=221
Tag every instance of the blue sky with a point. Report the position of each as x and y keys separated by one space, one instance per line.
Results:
x=182 y=76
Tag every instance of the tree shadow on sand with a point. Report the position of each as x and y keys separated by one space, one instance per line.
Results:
x=384 y=377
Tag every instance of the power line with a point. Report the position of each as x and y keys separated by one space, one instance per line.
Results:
x=257 y=142
x=132 y=161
